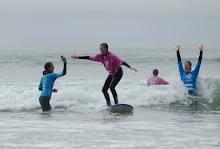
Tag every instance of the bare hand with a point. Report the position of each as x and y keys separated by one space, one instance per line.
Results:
x=178 y=48
x=133 y=69
x=55 y=90
x=74 y=57
x=63 y=58
x=201 y=48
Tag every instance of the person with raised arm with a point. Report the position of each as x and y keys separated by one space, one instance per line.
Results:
x=47 y=82
x=188 y=76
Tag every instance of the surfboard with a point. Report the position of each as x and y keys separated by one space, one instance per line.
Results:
x=120 y=109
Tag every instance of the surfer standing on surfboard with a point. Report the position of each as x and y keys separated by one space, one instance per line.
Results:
x=47 y=82
x=113 y=65
x=187 y=76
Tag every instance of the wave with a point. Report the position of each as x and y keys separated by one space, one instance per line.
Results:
x=85 y=95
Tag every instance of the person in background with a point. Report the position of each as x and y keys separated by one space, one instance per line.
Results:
x=187 y=76
x=155 y=80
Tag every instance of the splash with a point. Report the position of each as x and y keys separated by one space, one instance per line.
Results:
x=84 y=96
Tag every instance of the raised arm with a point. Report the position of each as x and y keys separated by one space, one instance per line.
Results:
x=201 y=52
x=179 y=60
x=178 y=53
x=196 y=70
x=64 y=62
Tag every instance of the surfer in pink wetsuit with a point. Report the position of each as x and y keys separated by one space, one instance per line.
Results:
x=113 y=65
x=155 y=80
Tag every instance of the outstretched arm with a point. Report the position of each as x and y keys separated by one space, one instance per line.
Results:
x=96 y=58
x=201 y=51
x=124 y=63
x=79 y=57
x=163 y=82
x=84 y=57
x=178 y=53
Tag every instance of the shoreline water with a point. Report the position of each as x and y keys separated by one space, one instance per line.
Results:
x=162 y=117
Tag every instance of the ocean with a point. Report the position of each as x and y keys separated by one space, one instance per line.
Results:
x=163 y=116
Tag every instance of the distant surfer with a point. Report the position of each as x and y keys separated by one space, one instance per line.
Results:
x=113 y=65
x=47 y=82
x=187 y=76
x=155 y=80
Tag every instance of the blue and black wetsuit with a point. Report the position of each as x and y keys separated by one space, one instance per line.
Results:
x=46 y=86
x=189 y=78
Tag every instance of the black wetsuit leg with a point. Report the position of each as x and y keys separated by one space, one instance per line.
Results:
x=111 y=83
x=45 y=103
x=114 y=82
x=105 y=89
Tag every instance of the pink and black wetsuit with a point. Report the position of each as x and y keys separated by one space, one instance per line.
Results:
x=154 y=80
x=113 y=65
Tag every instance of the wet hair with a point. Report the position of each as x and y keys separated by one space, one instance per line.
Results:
x=105 y=45
x=189 y=63
x=155 y=72
x=46 y=67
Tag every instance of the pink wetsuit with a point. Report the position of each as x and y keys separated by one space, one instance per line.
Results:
x=154 y=80
x=111 y=62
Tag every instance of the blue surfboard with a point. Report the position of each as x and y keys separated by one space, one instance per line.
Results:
x=121 y=109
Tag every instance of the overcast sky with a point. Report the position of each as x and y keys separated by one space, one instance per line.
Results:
x=118 y=22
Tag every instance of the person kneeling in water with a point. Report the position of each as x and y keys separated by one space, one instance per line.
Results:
x=155 y=80
x=113 y=65
x=47 y=82
x=187 y=76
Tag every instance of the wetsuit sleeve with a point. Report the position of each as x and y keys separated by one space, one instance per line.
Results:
x=41 y=86
x=178 y=55
x=64 y=68
x=84 y=57
x=180 y=63
x=200 y=56
x=124 y=63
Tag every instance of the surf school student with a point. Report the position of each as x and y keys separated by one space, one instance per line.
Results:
x=155 y=80
x=187 y=76
x=113 y=65
x=47 y=82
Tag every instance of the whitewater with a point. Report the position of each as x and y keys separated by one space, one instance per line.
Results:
x=163 y=117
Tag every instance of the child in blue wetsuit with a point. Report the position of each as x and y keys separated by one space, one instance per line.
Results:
x=187 y=76
x=47 y=82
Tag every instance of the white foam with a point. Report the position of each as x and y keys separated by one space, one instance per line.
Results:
x=86 y=94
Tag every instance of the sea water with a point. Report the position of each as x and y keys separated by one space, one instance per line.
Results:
x=163 y=117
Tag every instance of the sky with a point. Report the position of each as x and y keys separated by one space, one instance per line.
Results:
x=126 y=23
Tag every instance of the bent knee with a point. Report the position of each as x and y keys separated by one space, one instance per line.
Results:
x=112 y=88
x=104 y=90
